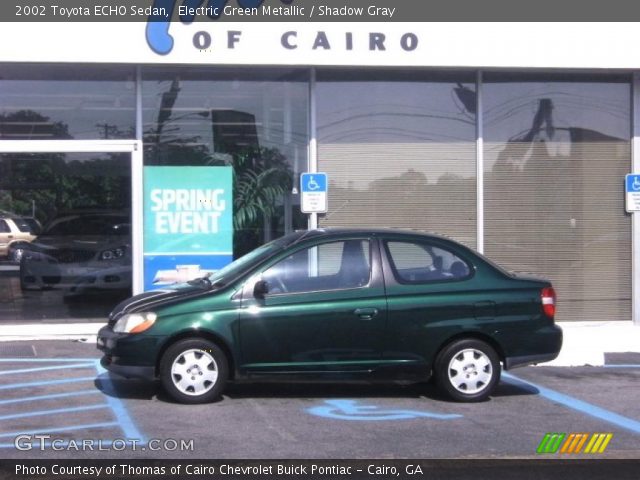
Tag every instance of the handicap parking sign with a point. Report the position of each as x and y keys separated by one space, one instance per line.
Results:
x=632 y=192
x=313 y=188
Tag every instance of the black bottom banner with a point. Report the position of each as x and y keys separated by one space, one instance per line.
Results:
x=520 y=469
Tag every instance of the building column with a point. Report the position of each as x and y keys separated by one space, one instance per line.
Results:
x=313 y=141
x=479 y=167
x=635 y=220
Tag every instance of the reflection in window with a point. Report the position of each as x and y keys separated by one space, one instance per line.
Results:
x=555 y=152
x=256 y=123
x=396 y=147
x=422 y=263
x=330 y=266
x=41 y=102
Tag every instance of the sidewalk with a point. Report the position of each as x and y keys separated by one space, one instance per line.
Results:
x=585 y=343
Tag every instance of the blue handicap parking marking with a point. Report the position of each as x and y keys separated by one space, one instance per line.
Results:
x=352 y=410
x=575 y=403
x=61 y=419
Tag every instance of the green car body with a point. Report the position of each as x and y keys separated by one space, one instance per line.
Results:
x=403 y=319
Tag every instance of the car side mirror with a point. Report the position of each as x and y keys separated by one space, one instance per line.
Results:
x=260 y=289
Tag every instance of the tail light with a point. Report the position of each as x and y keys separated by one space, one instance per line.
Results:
x=548 y=295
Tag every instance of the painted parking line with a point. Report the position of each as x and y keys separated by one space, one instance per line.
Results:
x=42 y=369
x=50 y=396
x=110 y=401
x=44 y=383
x=53 y=411
x=58 y=429
x=574 y=403
x=630 y=365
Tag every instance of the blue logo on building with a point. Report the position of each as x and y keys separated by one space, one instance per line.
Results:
x=158 y=36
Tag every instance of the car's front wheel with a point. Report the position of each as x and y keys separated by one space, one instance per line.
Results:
x=194 y=371
x=467 y=370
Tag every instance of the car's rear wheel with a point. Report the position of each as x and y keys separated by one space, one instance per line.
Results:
x=467 y=370
x=194 y=371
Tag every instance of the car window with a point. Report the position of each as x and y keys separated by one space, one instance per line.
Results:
x=4 y=228
x=329 y=266
x=422 y=263
x=23 y=225
x=89 y=225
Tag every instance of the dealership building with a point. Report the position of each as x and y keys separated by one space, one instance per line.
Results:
x=500 y=136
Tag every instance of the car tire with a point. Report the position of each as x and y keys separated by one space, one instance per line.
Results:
x=467 y=370
x=194 y=371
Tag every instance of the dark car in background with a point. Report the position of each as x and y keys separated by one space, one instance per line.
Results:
x=80 y=252
x=338 y=304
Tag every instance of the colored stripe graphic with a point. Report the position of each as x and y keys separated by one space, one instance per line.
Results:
x=598 y=442
x=551 y=443
x=574 y=442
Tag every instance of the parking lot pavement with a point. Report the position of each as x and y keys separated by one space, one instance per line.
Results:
x=62 y=392
x=65 y=396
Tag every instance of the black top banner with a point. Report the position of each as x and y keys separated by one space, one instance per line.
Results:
x=319 y=11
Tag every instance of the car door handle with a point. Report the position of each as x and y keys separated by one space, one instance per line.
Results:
x=366 y=313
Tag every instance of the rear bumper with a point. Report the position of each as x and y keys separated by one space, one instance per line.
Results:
x=513 y=362
x=548 y=345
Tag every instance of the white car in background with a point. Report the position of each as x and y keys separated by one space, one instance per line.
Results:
x=15 y=235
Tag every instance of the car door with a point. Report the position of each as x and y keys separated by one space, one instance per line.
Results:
x=432 y=293
x=325 y=311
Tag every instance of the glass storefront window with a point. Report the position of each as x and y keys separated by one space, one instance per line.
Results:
x=556 y=150
x=399 y=149
x=66 y=248
x=46 y=102
x=253 y=121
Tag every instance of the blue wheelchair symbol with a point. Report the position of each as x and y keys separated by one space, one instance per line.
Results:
x=350 y=410
x=312 y=185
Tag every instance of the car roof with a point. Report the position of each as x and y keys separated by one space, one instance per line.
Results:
x=340 y=231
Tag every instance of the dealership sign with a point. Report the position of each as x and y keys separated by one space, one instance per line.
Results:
x=161 y=41
x=188 y=223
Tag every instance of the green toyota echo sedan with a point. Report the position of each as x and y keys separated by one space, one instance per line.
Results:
x=338 y=304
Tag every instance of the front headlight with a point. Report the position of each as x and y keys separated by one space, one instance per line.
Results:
x=135 y=322
x=113 y=254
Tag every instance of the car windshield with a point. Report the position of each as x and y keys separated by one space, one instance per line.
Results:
x=88 y=225
x=28 y=225
x=246 y=262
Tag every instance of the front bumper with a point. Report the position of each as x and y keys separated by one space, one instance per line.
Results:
x=131 y=356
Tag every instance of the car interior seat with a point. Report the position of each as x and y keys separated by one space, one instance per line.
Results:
x=459 y=269
x=354 y=269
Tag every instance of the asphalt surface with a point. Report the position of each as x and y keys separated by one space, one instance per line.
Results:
x=58 y=388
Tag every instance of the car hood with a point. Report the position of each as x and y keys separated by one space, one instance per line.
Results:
x=151 y=300
x=89 y=242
